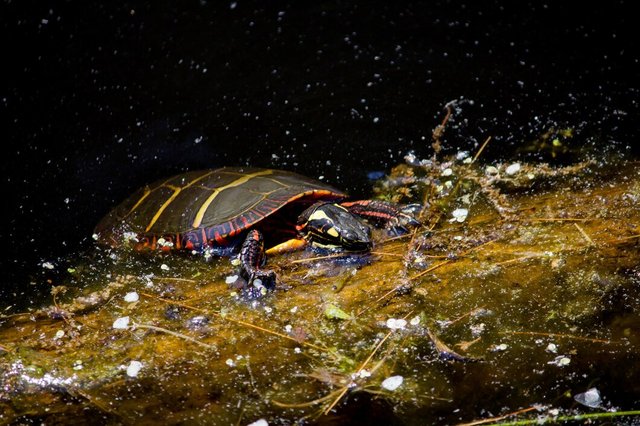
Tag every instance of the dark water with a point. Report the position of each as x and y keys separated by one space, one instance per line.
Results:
x=99 y=99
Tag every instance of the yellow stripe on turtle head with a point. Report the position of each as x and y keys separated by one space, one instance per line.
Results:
x=333 y=232
x=319 y=215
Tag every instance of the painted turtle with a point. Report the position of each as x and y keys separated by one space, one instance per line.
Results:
x=249 y=208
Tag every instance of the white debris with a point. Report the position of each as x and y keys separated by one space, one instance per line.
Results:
x=491 y=170
x=131 y=297
x=392 y=383
x=77 y=365
x=477 y=329
x=415 y=320
x=121 y=323
x=590 y=398
x=95 y=237
x=130 y=237
x=259 y=422
x=297 y=350
x=461 y=155
x=560 y=361
x=164 y=267
x=396 y=324
x=459 y=215
x=47 y=265
x=512 y=169
x=499 y=348
x=231 y=279
x=164 y=243
x=447 y=172
x=230 y=362
x=552 y=348
x=134 y=368
x=363 y=374
x=293 y=310
x=288 y=328
x=411 y=158
x=59 y=335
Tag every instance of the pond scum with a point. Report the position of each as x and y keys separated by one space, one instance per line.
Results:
x=517 y=302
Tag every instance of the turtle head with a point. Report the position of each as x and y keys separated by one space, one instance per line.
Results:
x=332 y=227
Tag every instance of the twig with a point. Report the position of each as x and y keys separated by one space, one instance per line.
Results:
x=237 y=321
x=623 y=239
x=187 y=280
x=311 y=259
x=426 y=271
x=582 y=418
x=173 y=333
x=438 y=132
x=475 y=157
x=584 y=234
x=362 y=366
x=383 y=253
x=496 y=419
x=565 y=336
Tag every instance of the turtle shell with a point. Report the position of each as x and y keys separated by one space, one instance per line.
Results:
x=212 y=207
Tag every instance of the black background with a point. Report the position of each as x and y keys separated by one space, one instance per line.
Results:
x=99 y=99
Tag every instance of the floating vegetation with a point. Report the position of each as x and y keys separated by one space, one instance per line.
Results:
x=517 y=301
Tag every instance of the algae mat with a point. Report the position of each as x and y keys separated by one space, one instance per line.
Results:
x=519 y=299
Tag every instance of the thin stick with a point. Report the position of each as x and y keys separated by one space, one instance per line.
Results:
x=382 y=253
x=555 y=219
x=496 y=419
x=311 y=259
x=173 y=333
x=584 y=234
x=582 y=418
x=565 y=336
x=426 y=271
x=517 y=259
x=362 y=366
x=308 y=403
x=475 y=157
x=186 y=280
x=471 y=312
x=620 y=240
x=247 y=324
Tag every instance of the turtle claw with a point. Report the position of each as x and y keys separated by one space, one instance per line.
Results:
x=252 y=258
x=263 y=278
x=402 y=224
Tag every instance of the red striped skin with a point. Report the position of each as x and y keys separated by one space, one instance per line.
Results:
x=378 y=211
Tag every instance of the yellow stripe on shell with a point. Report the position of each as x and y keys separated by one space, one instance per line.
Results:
x=176 y=191
x=147 y=191
x=203 y=209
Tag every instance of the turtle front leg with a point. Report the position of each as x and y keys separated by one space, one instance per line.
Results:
x=252 y=259
x=383 y=213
